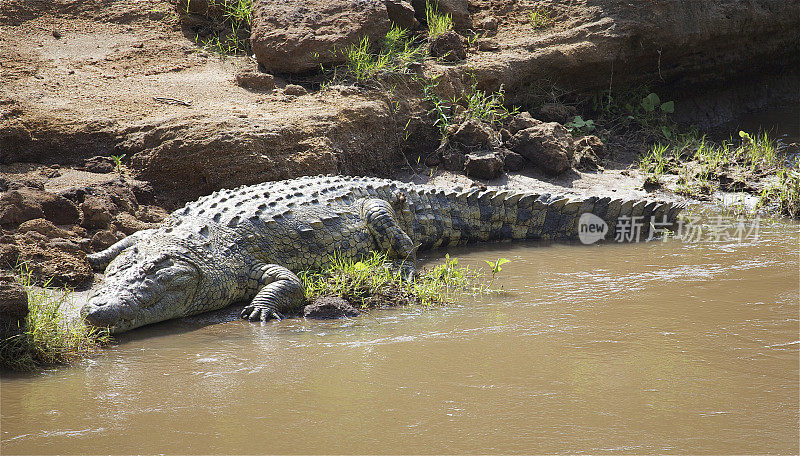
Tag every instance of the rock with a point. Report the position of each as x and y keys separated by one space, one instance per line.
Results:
x=152 y=214
x=59 y=260
x=18 y=206
x=294 y=89
x=44 y=227
x=732 y=183
x=487 y=45
x=449 y=47
x=99 y=164
x=13 y=298
x=453 y=160
x=296 y=37
x=593 y=143
x=9 y=254
x=17 y=182
x=128 y=224
x=489 y=23
x=104 y=239
x=513 y=161
x=484 y=165
x=472 y=133
x=586 y=160
x=330 y=307
x=253 y=79
x=401 y=13
x=522 y=121
x=96 y=213
x=557 y=112
x=548 y=146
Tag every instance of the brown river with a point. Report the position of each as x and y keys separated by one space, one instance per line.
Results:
x=677 y=347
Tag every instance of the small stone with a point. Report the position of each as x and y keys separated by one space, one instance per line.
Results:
x=522 y=121
x=513 y=161
x=294 y=89
x=473 y=133
x=96 y=213
x=401 y=13
x=129 y=224
x=13 y=298
x=17 y=206
x=487 y=45
x=99 y=164
x=449 y=47
x=253 y=79
x=329 y=308
x=44 y=227
x=453 y=160
x=594 y=143
x=489 y=23
x=548 y=146
x=557 y=112
x=486 y=165
x=105 y=239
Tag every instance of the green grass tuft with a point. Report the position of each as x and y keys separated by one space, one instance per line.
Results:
x=47 y=338
x=784 y=194
x=363 y=62
x=438 y=24
x=374 y=281
x=540 y=18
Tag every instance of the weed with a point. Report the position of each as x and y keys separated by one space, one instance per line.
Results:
x=118 y=162
x=654 y=163
x=364 y=63
x=438 y=23
x=47 y=337
x=639 y=109
x=784 y=194
x=373 y=281
x=476 y=104
x=496 y=268
x=540 y=18
x=237 y=18
x=578 y=126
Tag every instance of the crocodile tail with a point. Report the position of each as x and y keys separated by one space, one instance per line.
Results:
x=457 y=218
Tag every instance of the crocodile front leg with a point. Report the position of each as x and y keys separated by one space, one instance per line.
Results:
x=388 y=235
x=101 y=259
x=279 y=291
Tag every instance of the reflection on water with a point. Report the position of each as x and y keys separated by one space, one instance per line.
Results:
x=664 y=347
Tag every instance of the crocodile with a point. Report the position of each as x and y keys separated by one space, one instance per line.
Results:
x=248 y=244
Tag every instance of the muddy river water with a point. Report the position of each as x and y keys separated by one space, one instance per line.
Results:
x=617 y=348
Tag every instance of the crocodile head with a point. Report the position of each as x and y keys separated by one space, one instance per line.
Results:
x=152 y=281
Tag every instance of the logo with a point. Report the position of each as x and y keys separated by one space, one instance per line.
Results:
x=591 y=228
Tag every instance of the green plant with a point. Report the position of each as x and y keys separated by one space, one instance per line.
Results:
x=48 y=337
x=639 y=109
x=236 y=18
x=496 y=267
x=118 y=162
x=578 y=126
x=540 y=18
x=438 y=24
x=654 y=163
x=363 y=62
x=473 y=104
x=784 y=193
x=373 y=281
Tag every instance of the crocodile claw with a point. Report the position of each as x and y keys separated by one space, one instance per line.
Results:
x=258 y=313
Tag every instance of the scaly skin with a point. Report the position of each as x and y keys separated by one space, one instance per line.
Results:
x=247 y=244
